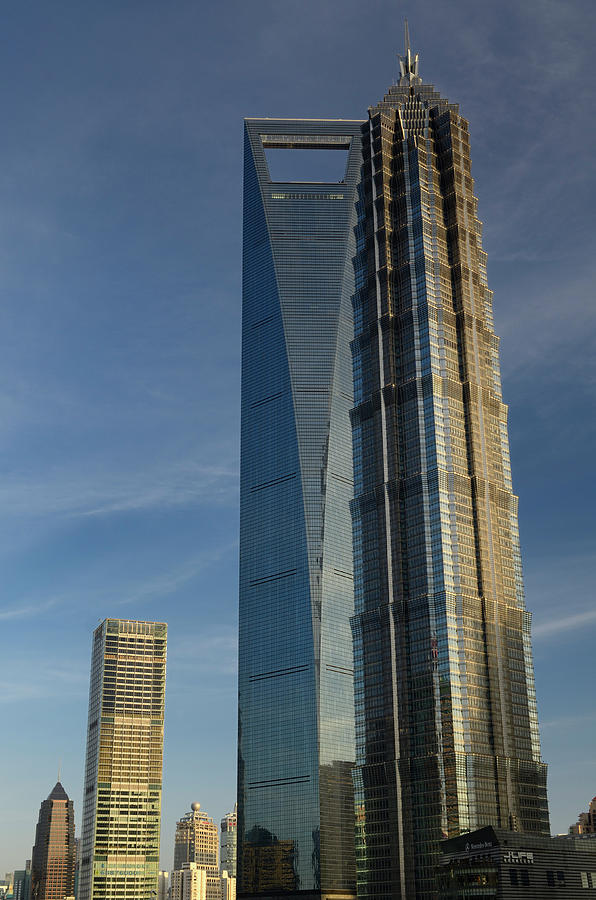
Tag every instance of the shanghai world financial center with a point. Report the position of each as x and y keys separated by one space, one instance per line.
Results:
x=386 y=688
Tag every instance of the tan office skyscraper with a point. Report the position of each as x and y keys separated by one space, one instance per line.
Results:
x=53 y=858
x=122 y=809
x=197 y=842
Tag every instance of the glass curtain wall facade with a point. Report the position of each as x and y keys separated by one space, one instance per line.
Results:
x=229 y=836
x=446 y=725
x=296 y=716
x=123 y=771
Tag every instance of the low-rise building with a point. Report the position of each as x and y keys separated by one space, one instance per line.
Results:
x=508 y=865
x=189 y=882
x=228 y=886
x=586 y=821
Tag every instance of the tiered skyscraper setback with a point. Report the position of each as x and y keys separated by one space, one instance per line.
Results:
x=296 y=720
x=447 y=731
x=53 y=857
x=123 y=771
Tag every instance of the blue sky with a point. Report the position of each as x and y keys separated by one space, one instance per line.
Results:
x=120 y=229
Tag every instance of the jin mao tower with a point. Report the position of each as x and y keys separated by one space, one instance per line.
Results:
x=446 y=725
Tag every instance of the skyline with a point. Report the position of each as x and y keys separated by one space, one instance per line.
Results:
x=116 y=504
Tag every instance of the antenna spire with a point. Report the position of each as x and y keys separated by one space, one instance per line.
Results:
x=408 y=64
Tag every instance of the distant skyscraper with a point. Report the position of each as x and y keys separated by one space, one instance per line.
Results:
x=197 y=841
x=77 y=865
x=163 y=885
x=447 y=731
x=586 y=823
x=229 y=834
x=122 y=810
x=53 y=857
x=21 y=885
x=296 y=710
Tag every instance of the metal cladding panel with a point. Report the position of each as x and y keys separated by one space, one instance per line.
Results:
x=296 y=743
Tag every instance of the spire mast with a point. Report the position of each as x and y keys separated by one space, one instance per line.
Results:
x=408 y=64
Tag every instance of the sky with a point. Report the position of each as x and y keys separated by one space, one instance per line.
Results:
x=120 y=245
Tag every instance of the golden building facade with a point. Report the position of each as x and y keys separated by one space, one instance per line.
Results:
x=446 y=723
x=123 y=772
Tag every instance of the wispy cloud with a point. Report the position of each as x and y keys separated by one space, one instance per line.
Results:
x=569 y=722
x=544 y=329
x=94 y=589
x=212 y=650
x=165 y=584
x=560 y=624
x=96 y=493
x=35 y=681
x=26 y=611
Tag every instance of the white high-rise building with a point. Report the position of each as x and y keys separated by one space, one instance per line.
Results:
x=228 y=886
x=189 y=882
x=163 y=885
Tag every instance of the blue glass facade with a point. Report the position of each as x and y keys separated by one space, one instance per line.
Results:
x=296 y=713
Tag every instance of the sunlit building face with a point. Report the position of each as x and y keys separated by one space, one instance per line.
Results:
x=447 y=731
x=122 y=807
